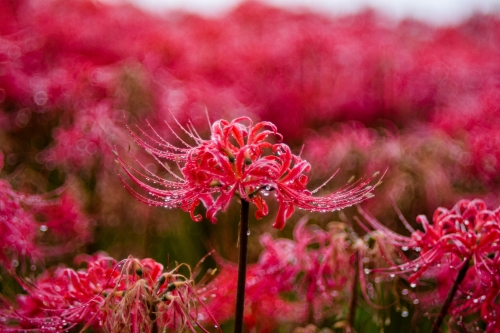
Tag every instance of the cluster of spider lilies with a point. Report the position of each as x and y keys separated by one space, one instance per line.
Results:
x=257 y=172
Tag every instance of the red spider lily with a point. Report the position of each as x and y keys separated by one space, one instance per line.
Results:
x=24 y=236
x=313 y=268
x=468 y=231
x=63 y=220
x=130 y=296
x=18 y=229
x=234 y=163
x=467 y=235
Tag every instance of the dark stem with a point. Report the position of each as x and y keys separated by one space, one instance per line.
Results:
x=451 y=294
x=354 y=293
x=242 y=267
x=152 y=317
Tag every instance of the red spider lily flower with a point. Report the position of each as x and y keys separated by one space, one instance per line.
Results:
x=469 y=231
x=24 y=236
x=468 y=235
x=130 y=296
x=63 y=221
x=235 y=161
x=314 y=268
x=18 y=229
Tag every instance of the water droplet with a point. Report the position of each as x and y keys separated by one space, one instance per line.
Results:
x=404 y=248
x=43 y=228
x=367 y=271
x=248 y=233
x=416 y=301
x=413 y=285
x=404 y=292
x=404 y=312
x=15 y=263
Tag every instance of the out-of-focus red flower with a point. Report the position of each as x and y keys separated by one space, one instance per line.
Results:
x=234 y=162
x=310 y=274
x=129 y=296
x=64 y=226
x=89 y=138
x=18 y=229
x=34 y=226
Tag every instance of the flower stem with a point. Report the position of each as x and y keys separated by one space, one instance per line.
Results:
x=451 y=294
x=354 y=294
x=242 y=267
x=152 y=317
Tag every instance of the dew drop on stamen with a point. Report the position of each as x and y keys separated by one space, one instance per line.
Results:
x=404 y=248
x=413 y=285
x=404 y=312
x=43 y=228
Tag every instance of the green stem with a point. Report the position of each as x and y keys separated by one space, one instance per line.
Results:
x=354 y=293
x=242 y=267
x=451 y=294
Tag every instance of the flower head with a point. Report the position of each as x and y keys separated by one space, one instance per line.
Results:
x=468 y=231
x=236 y=161
x=464 y=237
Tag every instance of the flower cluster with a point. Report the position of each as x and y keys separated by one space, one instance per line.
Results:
x=295 y=280
x=127 y=296
x=234 y=162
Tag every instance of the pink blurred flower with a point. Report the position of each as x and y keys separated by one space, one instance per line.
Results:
x=34 y=226
x=64 y=226
x=310 y=274
x=234 y=163
x=18 y=229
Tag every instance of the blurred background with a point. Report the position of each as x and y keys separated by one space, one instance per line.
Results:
x=434 y=12
x=403 y=86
